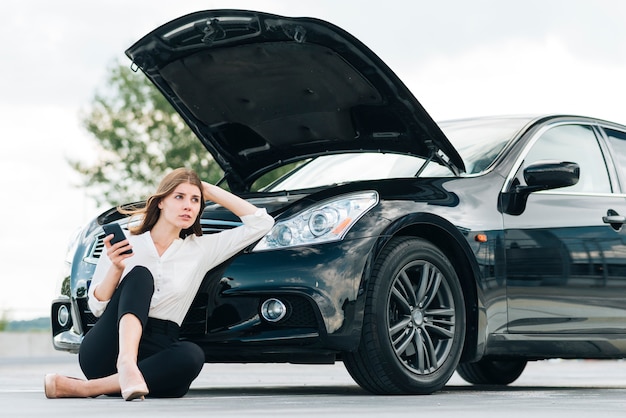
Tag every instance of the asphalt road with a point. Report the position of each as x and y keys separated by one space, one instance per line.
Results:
x=555 y=388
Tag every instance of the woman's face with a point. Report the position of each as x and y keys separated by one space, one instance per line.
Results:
x=181 y=207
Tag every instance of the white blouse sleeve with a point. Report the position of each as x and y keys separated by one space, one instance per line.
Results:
x=225 y=244
x=96 y=306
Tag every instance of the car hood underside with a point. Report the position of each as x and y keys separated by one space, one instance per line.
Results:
x=260 y=90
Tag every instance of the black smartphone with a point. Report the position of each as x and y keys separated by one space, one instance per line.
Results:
x=118 y=234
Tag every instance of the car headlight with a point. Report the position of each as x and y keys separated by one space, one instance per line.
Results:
x=327 y=221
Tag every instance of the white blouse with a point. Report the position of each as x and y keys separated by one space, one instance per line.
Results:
x=178 y=273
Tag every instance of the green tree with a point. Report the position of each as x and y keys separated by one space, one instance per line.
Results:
x=139 y=137
x=4 y=321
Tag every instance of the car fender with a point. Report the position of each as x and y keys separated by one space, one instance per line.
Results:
x=453 y=241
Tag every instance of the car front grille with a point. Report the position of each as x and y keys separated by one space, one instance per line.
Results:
x=87 y=319
x=196 y=318
x=98 y=247
x=209 y=226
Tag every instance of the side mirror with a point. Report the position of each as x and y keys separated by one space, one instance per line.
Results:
x=541 y=175
x=545 y=175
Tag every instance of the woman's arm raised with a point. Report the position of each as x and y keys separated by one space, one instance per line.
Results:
x=235 y=204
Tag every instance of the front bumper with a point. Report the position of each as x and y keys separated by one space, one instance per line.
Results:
x=321 y=285
x=64 y=335
x=67 y=341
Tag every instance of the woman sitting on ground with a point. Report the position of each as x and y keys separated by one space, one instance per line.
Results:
x=141 y=298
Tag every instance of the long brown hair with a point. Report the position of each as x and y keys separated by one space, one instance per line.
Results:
x=151 y=212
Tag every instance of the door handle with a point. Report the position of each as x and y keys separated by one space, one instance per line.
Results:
x=614 y=219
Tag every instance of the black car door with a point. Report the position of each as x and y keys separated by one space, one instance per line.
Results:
x=566 y=252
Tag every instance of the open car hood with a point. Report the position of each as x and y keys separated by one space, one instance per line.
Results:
x=262 y=90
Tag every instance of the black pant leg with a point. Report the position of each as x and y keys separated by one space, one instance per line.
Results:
x=169 y=371
x=100 y=347
x=168 y=365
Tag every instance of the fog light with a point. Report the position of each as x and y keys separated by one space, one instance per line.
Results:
x=273 y=310
x=63 y=315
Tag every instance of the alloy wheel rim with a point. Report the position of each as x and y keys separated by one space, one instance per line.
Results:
x=421 y=317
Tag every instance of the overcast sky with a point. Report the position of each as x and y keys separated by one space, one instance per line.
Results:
x=459 y=57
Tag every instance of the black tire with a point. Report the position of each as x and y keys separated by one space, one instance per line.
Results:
x=414 y=322
x=491 y=372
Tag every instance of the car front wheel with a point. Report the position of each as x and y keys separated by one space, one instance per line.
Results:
x=414 y=322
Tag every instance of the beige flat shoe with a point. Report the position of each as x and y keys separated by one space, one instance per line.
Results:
x=50 y=386
x=135 y=392
x=132 y=384
x=53 y=391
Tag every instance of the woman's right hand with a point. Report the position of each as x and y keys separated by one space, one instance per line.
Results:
x=103 y=291
x=116 y=251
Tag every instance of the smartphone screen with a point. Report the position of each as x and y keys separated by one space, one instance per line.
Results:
x=118 y=234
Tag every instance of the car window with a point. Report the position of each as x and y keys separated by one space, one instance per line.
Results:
x=617 y=140
x=575 y=143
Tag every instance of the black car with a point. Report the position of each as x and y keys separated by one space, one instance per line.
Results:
x=404 y=248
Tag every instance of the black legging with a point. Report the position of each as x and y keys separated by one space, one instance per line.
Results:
x=168 y=365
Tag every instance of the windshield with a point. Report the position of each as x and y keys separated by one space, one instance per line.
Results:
x=478 y=141
x=342 y=168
